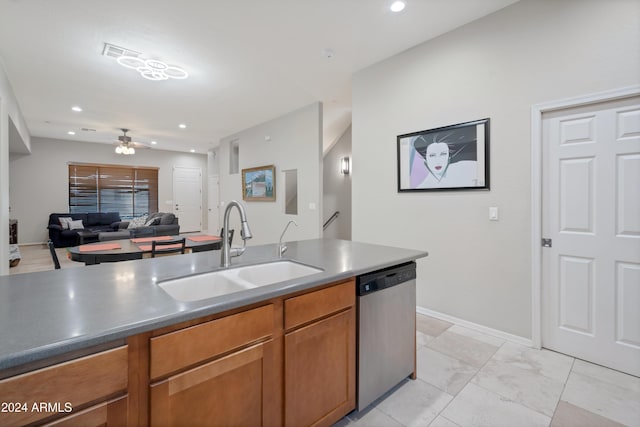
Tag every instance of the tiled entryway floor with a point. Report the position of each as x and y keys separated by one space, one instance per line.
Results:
x=466 y=378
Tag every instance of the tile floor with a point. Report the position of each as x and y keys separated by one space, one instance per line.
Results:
x=466 y=378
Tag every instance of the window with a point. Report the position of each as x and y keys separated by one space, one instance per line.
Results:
x=234 y=157
x=131 y=191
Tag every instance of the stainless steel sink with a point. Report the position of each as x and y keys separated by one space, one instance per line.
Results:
x=223 y=282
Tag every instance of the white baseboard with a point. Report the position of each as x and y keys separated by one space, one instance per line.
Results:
x=476 y=327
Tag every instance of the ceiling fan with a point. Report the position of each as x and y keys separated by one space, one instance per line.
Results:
x=126 y=146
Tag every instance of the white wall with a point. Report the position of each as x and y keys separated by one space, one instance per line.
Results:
x=9 y=111
x=337 y=189
x=497 y=67
x=295 y=143
x=32 y=200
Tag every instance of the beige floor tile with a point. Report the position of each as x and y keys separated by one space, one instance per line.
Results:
x=607 y=375
x=444 y=372
x=443 y=422
x=422 y=339
x=414 y=403
x=544 y=362
x=468 y=350
x=470 y=333
x=568 y=415
x=530 y=389
x=475 y=406
x=372 y=418
x=430 y=325
x=604 y=398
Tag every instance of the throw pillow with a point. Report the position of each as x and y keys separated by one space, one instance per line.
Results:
x=137 y=222
x=76 y=225
x=153 y=221
x=64 y=222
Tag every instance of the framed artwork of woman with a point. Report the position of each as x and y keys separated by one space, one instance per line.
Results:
x=452 y=157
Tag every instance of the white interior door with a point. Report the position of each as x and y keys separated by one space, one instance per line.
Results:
x=187 y=198
x=591 y=213
x=213 y=205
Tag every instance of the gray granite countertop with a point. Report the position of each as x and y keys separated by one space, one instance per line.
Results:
x=50 y=313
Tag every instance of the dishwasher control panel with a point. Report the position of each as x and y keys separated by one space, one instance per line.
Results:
x=381 y=279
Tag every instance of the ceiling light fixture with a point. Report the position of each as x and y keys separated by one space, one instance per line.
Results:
x=182 y=126
x=192 y=151
x=71 y=132
x=125 y=146
x=397 y=6
x=152 y=69
x=154 y=142
x=76 y=109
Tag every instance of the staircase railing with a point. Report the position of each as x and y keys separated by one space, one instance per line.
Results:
x=332 y=218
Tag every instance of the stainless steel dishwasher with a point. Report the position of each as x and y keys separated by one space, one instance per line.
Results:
x=386 y=330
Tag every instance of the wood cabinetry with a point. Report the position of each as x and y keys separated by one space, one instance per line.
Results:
x=62 y=391
x=233 y=373
x=320 y=356
x=287 y=361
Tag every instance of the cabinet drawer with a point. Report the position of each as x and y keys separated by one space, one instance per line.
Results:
x=75 y=382
x=181 y=349
x=113 y=413
x=314 y=305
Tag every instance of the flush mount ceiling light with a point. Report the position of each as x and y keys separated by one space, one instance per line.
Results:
x=152 y=69
x=76 y=109
x=182 y=126
x=71 y=132
x=397 y=6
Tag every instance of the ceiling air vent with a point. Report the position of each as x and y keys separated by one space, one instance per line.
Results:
x=117 y=51
x=87 y=130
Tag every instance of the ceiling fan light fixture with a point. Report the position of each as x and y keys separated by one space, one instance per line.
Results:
x=152 y=69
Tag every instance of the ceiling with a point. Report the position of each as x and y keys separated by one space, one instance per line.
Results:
x=248 y=61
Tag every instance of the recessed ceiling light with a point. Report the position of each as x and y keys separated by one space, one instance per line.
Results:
x=76 y=109
x=154 y=142
x=397 y=6
x=71 y=132
x=182 y=126
x=192 y=150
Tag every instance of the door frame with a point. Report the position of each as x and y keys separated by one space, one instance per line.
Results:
x=537 y=111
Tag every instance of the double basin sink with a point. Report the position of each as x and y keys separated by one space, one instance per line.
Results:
x=217 y=283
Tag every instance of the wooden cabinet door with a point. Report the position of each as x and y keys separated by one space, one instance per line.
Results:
x=320 y=371
x=234 y=390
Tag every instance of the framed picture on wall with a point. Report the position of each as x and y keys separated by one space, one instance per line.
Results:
x=259 y=184
x=452 y=157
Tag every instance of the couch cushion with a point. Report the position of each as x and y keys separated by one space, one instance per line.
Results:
x=137 y=222
x=54 y=217
x=153 y=221
x=64 y=222
x=167 y=219
x=76 y=225
x=109 y=217
x=102 y=218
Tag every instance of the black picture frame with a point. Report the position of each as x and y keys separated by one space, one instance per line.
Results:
x=448 y=158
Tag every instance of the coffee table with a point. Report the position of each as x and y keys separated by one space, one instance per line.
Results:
x=128 y=250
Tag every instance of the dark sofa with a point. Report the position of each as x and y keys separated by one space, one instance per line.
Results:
x=167 y=226
x=96 y=222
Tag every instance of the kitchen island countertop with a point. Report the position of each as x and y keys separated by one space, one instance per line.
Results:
x=50 y=313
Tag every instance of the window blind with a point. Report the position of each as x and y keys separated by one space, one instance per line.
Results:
x=131 y=191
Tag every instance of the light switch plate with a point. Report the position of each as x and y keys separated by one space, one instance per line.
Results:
x=493 y=213
x=312 y=206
